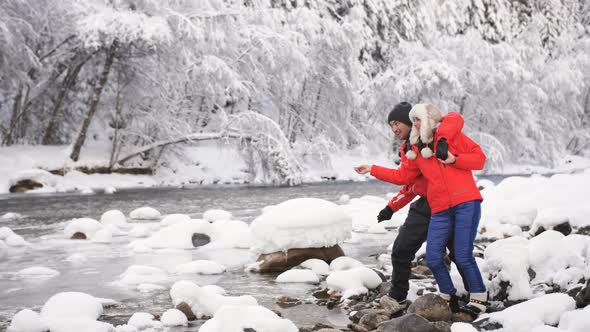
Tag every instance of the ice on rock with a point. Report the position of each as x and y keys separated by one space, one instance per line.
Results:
x=139 y=274
x=206 y=300
x=27 y=321
x=352 y=282
x=300 y=223
x=174 y=317
x=38 y=272
x=145 y=213
x=345 y=263
x=200 y=267
x=214 y=215
x=523 y=317
x=87 y=226
x=318 y=266
x=114 y=217
x=72 y=305
x=143 y=320
x=237 y=318
x=174 y=219
x=298 y=276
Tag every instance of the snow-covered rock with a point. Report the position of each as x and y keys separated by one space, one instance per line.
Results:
x=10 y=238
x=139 y=274
x=174 y=219
x=344 y=198
x=143 y=320
x=72 y=305
x=318 y=266
x=114 y=217
x=174 y=317
x=355 y=281
x=145 y=213
x=47 y=180
x=200 y=267
x=181 y=235
x=300 y=223
x=10 y=216
x=27 y=320
x=345 y=263
x=298 y=276
x=206 y=300
x=103 y=235
x=508 y=261
x=38 y=272
x=216 y=215
x=525 y=316
x=139 y=231
x=236 y=318
x=86 y=226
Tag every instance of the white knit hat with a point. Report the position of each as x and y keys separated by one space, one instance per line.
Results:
x=430 y=118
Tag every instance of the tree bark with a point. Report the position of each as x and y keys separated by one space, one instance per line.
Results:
x=49 y=135
x=8 y=139
x=94 y=100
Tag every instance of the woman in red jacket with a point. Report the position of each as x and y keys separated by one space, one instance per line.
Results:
x=452 y=194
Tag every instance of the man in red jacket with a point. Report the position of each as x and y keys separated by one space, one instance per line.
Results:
x=412 y=234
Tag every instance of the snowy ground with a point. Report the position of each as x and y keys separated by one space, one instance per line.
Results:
x=203 y=165
x=139 y=257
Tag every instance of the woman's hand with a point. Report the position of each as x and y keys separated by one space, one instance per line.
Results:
x=450 y=159
x=363 y=169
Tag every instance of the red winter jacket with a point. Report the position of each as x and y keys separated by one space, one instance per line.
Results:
x=408 y=193
x=448 y=184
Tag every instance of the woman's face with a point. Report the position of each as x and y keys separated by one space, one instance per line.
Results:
x=416 y=122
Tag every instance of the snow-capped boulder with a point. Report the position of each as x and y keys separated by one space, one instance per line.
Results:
x=145 y=213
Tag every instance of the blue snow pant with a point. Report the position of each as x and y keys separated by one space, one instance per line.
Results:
x=459 y=222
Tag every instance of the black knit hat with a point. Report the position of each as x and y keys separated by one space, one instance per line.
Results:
x=401 y=113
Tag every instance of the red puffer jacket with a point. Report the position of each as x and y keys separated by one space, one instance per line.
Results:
x=448 y=184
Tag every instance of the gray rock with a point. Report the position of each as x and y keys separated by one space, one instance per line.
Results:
x=583 y=297
x=391 y=305
x=371 y=320
x=442 y=326
x=408 y=323
x=461 y=317
x=200 y=239
x=432 y=307
x=287 y=302
x=357 y=328
x=329 y=330
x=79 y=236
x=186 y=310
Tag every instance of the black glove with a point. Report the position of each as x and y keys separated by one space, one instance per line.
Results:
x=442 y=149
x=385 y=214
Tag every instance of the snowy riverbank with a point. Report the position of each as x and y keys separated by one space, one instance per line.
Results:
x=203 y=165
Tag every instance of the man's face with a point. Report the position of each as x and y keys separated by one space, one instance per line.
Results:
x=400 y=129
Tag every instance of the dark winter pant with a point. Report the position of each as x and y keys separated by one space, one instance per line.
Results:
x=460 y=224
x=411 y=236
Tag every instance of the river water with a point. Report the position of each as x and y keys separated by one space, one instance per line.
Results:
x=45 y=217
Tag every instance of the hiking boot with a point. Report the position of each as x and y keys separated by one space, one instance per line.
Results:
x=476 y=306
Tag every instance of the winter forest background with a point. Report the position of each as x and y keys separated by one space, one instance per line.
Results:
x=291 y=83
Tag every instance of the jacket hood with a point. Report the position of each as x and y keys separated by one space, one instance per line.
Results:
x=430 y=118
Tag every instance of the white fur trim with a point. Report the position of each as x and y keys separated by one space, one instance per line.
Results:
x=426 y=152
x=411 y=155
x=429 y=117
